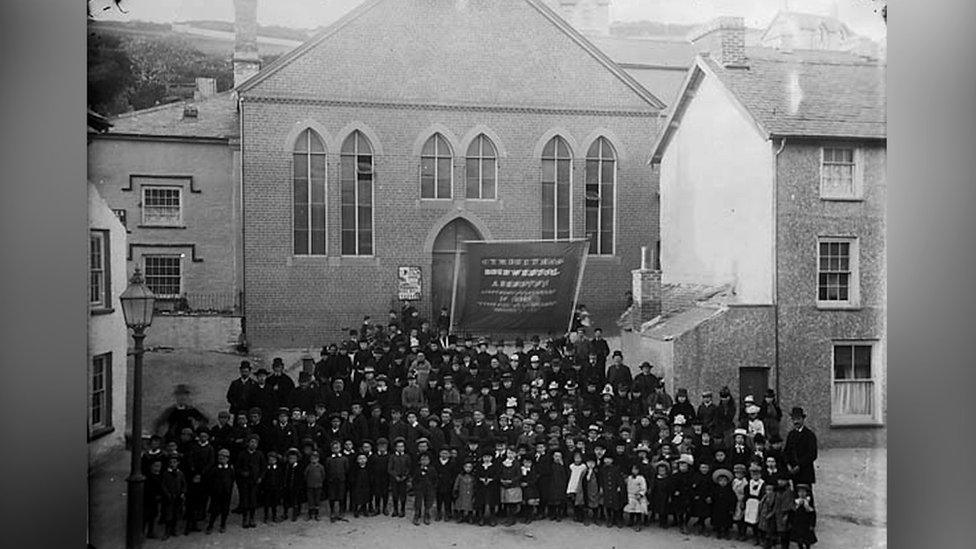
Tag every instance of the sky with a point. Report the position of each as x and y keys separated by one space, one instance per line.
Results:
x=862 y=16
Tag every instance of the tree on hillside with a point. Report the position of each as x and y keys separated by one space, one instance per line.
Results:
x=109 y=75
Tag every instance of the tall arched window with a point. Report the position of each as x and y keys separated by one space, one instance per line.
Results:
x=556 y=180
x=357 y=195
x=601 y=176
x=435 y=168
x=309 y=194
x=481 y=168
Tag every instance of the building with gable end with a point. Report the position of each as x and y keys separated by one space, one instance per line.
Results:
x=358 y=160
x=772 y=177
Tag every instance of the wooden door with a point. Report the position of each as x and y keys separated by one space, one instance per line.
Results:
x=753 y=381
x=446 y=248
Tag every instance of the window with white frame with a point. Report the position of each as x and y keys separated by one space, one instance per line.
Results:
x=557 y=172
x=100 y=394
x=481 y=169
x=98 y=264
x=356 y=181
x=601 y=174
x=855 y=384
x=164 y=275
x=162 y=206
x=839 y=173
x=308 y=193
x=837 y=272
x=436 y=170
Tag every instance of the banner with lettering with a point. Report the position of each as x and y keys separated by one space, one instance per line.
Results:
x=518 y=286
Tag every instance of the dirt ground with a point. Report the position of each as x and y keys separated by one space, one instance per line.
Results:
x=850 y=493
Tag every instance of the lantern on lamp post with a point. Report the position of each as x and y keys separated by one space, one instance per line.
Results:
x=137 y=308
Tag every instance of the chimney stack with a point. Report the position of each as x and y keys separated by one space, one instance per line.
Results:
x=205 y=88
x=723 y=39
x=246 y=60
x=646 y=289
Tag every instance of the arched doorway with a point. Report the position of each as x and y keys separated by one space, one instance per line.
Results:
x=446 y=246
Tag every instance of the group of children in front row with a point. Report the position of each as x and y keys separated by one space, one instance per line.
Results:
x=596 y=479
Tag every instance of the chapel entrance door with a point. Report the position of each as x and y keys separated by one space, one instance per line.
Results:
x=446 y=247
x=753 y=381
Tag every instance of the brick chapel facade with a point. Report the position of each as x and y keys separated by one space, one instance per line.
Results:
x=498 y=122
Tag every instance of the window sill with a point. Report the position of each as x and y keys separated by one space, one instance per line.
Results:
x=842 y=198
x=100 y=432
x=837 y=307
x=603 y=259
x=354 y=260
x=101 y=311
x=853 y=423
x=161 y=226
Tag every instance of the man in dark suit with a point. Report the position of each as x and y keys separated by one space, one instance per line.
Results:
x=801 y=449
x=239 y=392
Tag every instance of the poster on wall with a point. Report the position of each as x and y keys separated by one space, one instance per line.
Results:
x=408 y=283
x=518 y=286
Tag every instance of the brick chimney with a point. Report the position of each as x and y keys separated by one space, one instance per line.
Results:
x=205 y=88
x=246 y=60
x=647 y=291
x=723 y=39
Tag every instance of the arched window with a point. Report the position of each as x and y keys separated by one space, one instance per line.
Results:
x=435 y=168
x=357 y=195
x=556 y=180
x=309 y=194
x=481 y=168
x=601 y=176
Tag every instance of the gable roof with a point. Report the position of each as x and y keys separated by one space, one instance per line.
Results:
x=216 y=119
x=594 y=52
x=807 y=93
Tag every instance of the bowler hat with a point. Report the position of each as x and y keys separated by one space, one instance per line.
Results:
x=261 y=372
x=645 y=364
x=618 y=353
x=797 y=412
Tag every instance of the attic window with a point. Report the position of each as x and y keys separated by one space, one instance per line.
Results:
x=190 y=111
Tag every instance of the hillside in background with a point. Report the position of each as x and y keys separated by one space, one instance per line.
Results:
x=134 y=65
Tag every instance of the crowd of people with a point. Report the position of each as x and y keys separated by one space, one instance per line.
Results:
x=556 y=430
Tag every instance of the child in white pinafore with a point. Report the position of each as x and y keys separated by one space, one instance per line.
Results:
x=636 y=497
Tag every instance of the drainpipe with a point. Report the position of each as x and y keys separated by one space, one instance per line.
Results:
x=240 y=120
x=782 y=144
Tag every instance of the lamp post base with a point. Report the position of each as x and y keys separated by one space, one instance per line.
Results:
x=134 y=527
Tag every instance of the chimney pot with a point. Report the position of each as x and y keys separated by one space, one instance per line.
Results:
x=190 y=111
x=724 y=38
x=206 y=87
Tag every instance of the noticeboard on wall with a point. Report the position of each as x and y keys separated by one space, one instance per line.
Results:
x=408 y=283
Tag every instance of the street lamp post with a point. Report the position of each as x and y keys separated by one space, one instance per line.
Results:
x=137 y=308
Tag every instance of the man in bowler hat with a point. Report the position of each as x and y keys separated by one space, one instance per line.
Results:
x=800 y=451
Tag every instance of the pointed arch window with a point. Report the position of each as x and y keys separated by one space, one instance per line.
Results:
x=556 y=183
x=309 y=194
x=601 y=178
x=356 y=159
x=481 y=169
x=436 y=171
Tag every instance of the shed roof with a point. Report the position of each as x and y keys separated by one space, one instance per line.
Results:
x=216 y=118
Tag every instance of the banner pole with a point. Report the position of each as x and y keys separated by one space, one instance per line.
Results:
x=579 y=285
x=457 y=269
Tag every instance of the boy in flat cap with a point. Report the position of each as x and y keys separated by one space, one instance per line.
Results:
x=379 y=477
x=249 y=468
x=400 y=466
x=337 y=468
x=200 y=460
x=314 y=480
x=294 y=484
x=152 y=495
x=220 y=486
x=173 y=487
x=271 y=487
x=424 y=480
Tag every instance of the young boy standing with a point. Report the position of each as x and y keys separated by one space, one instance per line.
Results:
x=250 y=466
x=399 y=471
x=379 y=477
x=424 y=486
x=314 y=479
x=336 y=473
x=463 y=492
x=294 y=484
x=446 y=473
x=272 y=485
x=221 y=486
x=174 y=494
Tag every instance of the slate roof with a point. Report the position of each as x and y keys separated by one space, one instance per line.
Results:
x=810 y=93
x=653 y=52
x=216 y=118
